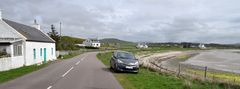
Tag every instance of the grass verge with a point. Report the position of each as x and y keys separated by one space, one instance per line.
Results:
x=14 y=73
x=70 y=55
x=147 y=79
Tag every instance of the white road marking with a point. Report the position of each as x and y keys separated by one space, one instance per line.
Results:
x=83 y=58
x=77 y=63
x=67 y=72
x=49 y=87
x=80 y=60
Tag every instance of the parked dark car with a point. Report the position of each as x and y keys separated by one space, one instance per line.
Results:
x=124 y=61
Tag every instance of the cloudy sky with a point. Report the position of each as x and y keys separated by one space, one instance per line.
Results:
x=215 y=21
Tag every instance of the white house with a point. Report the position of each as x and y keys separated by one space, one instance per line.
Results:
x=202 y=46
x=23 y=45
x=142 y=45
x=92 y=43
x=80 y=45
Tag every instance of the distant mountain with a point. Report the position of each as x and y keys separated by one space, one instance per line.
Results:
x=114 y=40
x=238 y=44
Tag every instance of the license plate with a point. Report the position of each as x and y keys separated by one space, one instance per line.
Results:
x=129 y=67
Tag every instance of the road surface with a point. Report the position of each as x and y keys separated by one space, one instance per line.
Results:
x=81 y=72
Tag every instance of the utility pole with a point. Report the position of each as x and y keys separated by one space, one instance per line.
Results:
x=60 y=31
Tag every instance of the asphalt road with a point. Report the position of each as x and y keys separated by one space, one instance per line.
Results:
x=81 y=72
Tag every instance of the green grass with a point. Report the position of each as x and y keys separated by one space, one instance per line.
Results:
x=147 y=79
x=14 y=73
x=231 y=77
x=71 y=55
x=104 y=57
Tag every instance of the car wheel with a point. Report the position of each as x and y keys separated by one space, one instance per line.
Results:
x=111 y=68
x=115 y=68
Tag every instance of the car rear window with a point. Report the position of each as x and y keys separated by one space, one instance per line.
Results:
x=125 y=55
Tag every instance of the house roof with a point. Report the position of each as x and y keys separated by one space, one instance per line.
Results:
x=94 y=40
x=6 y=31
x=31 y=33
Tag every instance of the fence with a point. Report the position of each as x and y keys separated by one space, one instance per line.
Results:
x=11 y=63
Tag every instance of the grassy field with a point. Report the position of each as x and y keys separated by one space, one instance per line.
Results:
x=224 y=76
x=14 y=73
x=147 y=79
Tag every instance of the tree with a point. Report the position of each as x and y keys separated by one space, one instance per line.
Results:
x=54 y=35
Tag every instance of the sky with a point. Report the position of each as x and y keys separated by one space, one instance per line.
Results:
x=205 y=21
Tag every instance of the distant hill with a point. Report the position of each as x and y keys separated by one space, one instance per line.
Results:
x=73 y=40
x=114 y=40
x=237 y=44
x=68 y=43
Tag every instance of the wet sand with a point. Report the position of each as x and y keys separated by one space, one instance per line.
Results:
x=224 y=60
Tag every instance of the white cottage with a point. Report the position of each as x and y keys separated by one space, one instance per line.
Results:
x=142 y=45
x=23 y=45
x=202 y=46
x=92 y=43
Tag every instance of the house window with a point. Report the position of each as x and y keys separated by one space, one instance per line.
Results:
x=3 y=52
x=17 y=50
x=34 y=53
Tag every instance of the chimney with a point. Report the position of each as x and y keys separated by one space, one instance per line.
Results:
x=36 y=25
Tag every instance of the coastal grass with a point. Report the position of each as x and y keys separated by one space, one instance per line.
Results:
x=147 y=79
x=224 y=76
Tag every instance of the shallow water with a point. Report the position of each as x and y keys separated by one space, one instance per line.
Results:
x=224 y=60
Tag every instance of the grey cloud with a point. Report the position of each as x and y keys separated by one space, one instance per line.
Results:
x=134 y=20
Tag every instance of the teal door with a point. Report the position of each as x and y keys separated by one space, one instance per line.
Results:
x=45 y=54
